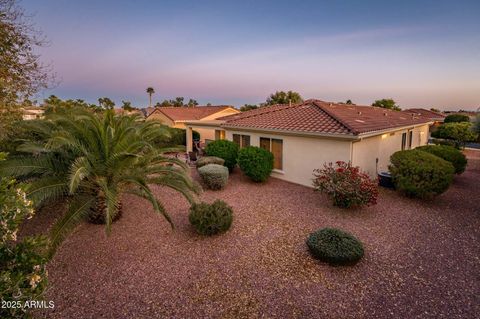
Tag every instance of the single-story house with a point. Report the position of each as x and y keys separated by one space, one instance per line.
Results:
x=436 y=117
x=178 y=116
x=32 y=112
x=302 y=137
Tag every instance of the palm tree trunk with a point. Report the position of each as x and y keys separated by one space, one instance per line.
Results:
x=97 y=214
x=150 y=99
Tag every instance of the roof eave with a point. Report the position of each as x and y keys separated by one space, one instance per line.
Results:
x=398 y=128
x=293 y=133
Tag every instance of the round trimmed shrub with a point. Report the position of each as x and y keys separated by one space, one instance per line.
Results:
x=214 y=176
x=335 y=246
x=420 y=174
x=256 y=163
x=202 y=161
x=224 y=149
x=211 y=219
x=448 y=153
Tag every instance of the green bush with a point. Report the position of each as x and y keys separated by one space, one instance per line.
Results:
x=456 y=118
x=214 y=176
x=23 y=276
x=448 y=153
x=224 y=149
x=202 y=161
x=438 y=141
x=335 y=246
x=420 y=174
x=211 y=219
x=460 y=133
x=256 y=163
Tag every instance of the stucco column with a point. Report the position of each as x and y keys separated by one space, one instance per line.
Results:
x=189 y=133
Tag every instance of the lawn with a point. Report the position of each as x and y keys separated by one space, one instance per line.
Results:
x=421 y=260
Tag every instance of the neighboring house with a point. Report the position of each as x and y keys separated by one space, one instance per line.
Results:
x=436 y=117
x=32 y=112
x=304 y=136
x=177 y=116
x=148 y=110
x=120 y=111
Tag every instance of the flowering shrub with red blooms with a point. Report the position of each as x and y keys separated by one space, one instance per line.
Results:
x=346 y=185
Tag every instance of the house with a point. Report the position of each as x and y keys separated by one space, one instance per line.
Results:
x=178 y=116
x=436 y=117
x=120 y=111
x=32 y=112
x=302 y=137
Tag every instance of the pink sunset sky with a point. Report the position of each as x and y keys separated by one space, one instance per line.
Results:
x=420 y=54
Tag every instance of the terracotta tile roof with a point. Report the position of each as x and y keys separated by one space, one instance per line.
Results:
x=315 y=116
x=434 y=116
x=189 y=113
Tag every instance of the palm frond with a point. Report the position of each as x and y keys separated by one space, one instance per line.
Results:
x=78 y=209
x=47 y=188
x=147 y=194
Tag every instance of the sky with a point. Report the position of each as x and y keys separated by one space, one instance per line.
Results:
x=420 y=53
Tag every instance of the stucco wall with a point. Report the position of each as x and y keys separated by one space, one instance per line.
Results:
x=301 y=155
x=222 y=113
x=161 y=118
x=367 y=150
x=205 y=133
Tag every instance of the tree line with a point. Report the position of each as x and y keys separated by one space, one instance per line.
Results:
x=291 y=97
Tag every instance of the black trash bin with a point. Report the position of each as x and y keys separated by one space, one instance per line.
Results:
x=385 y=180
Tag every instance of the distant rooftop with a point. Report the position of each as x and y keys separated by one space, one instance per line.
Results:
x=189 y=113
x=432 y=115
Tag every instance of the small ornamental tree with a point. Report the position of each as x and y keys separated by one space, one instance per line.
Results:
x=224 y=149
x=346 y=185
x=256 y=163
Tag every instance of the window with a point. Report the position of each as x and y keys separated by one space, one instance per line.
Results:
x=241 y=140
x=276 y=147
x=245 y=140
x=219 y=135
x=410 y=138
x=404 y=140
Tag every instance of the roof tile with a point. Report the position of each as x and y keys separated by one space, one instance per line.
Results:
x=316 y=116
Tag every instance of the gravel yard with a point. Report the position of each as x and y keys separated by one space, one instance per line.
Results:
x=422 y=258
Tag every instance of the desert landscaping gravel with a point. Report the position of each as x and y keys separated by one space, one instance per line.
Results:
x=422 y=258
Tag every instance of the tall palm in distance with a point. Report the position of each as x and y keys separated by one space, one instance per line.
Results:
x=150 y=92
x=90 y=160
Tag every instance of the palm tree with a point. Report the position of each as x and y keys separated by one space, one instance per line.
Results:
x=90 y=160
x=150 y=91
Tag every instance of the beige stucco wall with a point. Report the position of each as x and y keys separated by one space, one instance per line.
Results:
x=162 y=118
x=225 y=112
x=206 y=133
x=367 y=150
x=301 y=155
